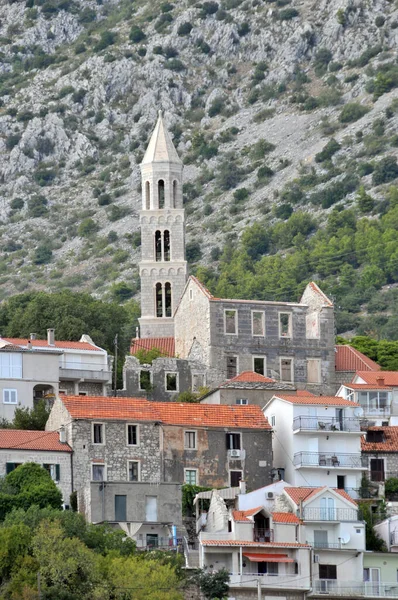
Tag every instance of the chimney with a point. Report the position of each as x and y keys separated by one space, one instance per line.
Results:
x=62 y=434
x=242 y=487
x=380 y=380
x=32 y=336
x=29 y=345
x=51 y=337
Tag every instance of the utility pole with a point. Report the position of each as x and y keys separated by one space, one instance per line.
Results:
x=259 y=589
x=115 y=373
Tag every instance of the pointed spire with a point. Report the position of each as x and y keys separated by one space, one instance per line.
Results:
x=160 y=147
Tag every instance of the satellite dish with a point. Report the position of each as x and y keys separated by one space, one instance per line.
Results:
x=345 y=539
x=358 y=412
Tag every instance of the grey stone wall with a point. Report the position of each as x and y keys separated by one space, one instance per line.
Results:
x=390 y=462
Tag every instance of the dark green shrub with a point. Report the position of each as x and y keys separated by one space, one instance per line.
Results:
x=37 y=206
x=44 y=174
x=79 y=95
x=17 y=204
x=380 y=20
x=207 y=210
x=25 y=116
x=385 y=170
x=104 y=199
x=87 y=15
x=163 y=21
x=287 y=14
x=208 y=8
x=136 y=34
x=42 y=255
x=216 y=106
x=44 y=146
x=185 y=28
x=174 y=64
x=141 y=51
x=108 y=38
x=264 y=172
x=321 y=60
x=260 y=149
x=328 y=151
x=215 y=253
x=166 y=7
x=283 y=211
x=241 y=194
x=65 y=91
x=229 y=175
x=193 y=252
x=352 y=112
x=13 y=140
x=366 y=56
x=334 y=192
x=243 y=29
x=87 y=228
x=80 y=48
x=115 y=213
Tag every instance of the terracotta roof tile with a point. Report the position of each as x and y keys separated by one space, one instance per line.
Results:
x=389 y=444
x=61 y=345
x=165 y=345
x=244 y=515
x=321 y=400
x=250 y=543
x=31 y=440
x=348 y=358
x=303 y=494
x=304 y=393
x=171 y=413
x=372 y=377
x=251 y=376
x=285 y=517
x=367 y=386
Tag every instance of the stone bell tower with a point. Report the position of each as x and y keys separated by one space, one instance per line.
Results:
x=163 y=268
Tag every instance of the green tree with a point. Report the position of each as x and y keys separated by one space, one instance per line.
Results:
x=364 y=200
x=214 y=585
x=32 y=418
x=385 y=170
x=373 y=540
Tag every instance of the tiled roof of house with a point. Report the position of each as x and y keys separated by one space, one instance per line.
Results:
x=250 y=543
x=389 y=443
x=374 y=377
x=321 y=400
x=244 y=515
x=348 y=358
x=171 y=413
x=165 y=345
x=58 y=344
x=301 y=494
x=367 y=386
x=285 y=517
x=19 y=439
x=250 y=376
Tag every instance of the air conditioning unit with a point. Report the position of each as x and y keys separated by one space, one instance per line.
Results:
x=270 y=494
x=234 y=453
x=316 y=558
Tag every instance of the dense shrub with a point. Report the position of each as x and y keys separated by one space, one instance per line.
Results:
x=380 y=20
x=352 y=112
x=37 y=206
x=287 y=14
x=334 y=192
x=385 y=170
x=328 y=151
x=136 y=34
x=17 y=204
x=87 y=227
x=185 y=28
x=108 y=38
x=42 y=255
x=193 y=252
x=13 y=140
x=216 y=106
x=322 y=58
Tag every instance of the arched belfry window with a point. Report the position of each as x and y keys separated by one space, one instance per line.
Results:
x=161 y=193
x=159 y=300
x=167 y=299
x=163 y=299
x=166 y=245
x=147 y=195
x=175 y=194
x=158 y=246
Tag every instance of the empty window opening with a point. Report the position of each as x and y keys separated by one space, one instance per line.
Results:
x=285 y=325
x=158 y=246
x=327 y=571
x=167 y=293
x=134 y=470
x=171 y=382
x=375 y=436
x=232 y=366
x=235 y=477
x=230 y=318
x=175 y=194
x=233 y=441
x=132 y=435
x=98 y=433
x=259 y=365
x=161 y=193
x=258 y=323
x=286 y=369
x=341 y=482
x=145 y=380
x=147 y=195
x=159 y=300
x=166 y=245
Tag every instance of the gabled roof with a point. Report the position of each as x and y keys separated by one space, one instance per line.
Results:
x=366 y=386
x=165 y=345
x=303 y=494
x=315 y=288
x=58 y=344
x=161 y=148
x=19 y=439
x=285 y=517
x=348 y=358
x=315 y=400
x=251 y=543
x=389 y=444
x=168 y=413
x=250 y=377
x=248 y=380
x=372 y=377
x=244 y=515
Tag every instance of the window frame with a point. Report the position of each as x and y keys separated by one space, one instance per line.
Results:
x=290 y=325
x=228 y=439
x=319 y=379
x=138 y=463
x=193 y=470
x=272 y=421
x=11 y=371
x=137 y=435
x=262 y=312
x=102 y=443
x=98 y=464
x=234 y=471
x=143 y=389
x=241 y=401
x=227 y=356
x=195 y=437
x=10 y=391
x=281 y=358
x=177 y=382
x=264 y=359
x=234 y=310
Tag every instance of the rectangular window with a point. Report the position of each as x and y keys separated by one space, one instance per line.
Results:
x=286 y=369
x=145 y=380
x=191 y=476
x=190 y=440
x=241 y=401
x=132 y=435
x=377 y=469
x=285 y=325
x=233 y=441
x=232 y=367
x=198 y=381
x=273 y=420
x=230 y=322
x=98 y=472
x=151 y=508
x=134 y=470
x=260 y=365
x=11 y=466
x=11 y=365
x=120 y=508
x=314 y=370
x=258 y=323
x=98 y=433
x=171 y=383
x=327 y=572
x=54 y=471
x=235 y=477
x=10 y=397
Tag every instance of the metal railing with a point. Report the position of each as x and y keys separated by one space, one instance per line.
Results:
x=162 y=543
x=324 y=459
x=326 y=424
x=289 y=580
x=330 y=514
x=325 y=545
x=85 y=366
x=374 y=411
x=348 y=589
x=263 y=535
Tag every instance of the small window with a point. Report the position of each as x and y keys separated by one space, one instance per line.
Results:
x=273 y=420
x=241 y=401
x=11 y=466
x=62 y=392
x=191 y=294
x=158 y=246
x=191 y=476
x=166 y=245
x=327 y=572
x=171 y=382
x=230 y=322
x=161 y=193
x=190 y=440
x=147 y=195
x=145 y=380
x=82 y=393
x=151 y=508
x=314 y=370
x=54 y=471
x=259 y=365
x=198 y=381
x=98 y=472
x=167 y=299
x=98 y=433
x=285 y=325
x=375 y=436
x=235 y=477
x=132 y=435
x=233 y=441
x=159 y=300
x=287 y=369
x=175 y=188
x=232 y=366
x=10 y=397
x=133 y=470
x=258 y=321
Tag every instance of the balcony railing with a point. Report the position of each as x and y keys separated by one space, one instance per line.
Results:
x=94 y=371
x=330 y=514
x=162 y=543
x=325 y=545
x=349 y=589
x=263 y=535
x=375 y=411
x=324 y=459
x=269 y=580
x=326 y=424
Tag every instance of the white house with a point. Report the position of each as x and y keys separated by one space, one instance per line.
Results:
x=388 y=531
x=316 y=440
x=377 y=394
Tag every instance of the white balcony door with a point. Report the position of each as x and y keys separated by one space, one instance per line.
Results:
x=372 y=580
x=328 y=509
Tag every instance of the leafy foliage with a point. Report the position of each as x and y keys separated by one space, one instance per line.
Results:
x=214 y=585
x=373 y=540
x=30 y=418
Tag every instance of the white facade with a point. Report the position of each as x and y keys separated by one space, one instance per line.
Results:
x=379 y=403
x=316 y=443
x=388 y=531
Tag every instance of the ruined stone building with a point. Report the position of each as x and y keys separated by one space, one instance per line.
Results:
x=206 y=340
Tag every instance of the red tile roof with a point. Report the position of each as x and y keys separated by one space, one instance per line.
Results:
x=348 y=358
x=303 y=494
x=250 y=543
x=372 y=377
x=390 y=443
x=285 y=517
x=322 y=400
x=250 y=376
x=31 y=440
x=165 y=345
x=168 y=413
x=304 y=393
x=62 y=345
x=367 y=386
x=243 y=515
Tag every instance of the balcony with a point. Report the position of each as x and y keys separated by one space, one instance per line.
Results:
x=160 y=543
x=250 y=580
x=354 y=589
x=86 y=371
x=375 y=411
x=330 y=514
x=328 y=460
x=326 y=545
x=263 y=535
x=326 y=424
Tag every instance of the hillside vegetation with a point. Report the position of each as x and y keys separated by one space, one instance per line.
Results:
x=285 y=113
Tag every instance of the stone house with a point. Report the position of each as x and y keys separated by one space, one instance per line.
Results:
x=45 y=448
x=380 y=451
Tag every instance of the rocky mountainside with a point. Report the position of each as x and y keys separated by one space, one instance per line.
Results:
x=274 y=105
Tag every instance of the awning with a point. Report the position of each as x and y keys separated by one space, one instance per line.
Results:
x=274 y=558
